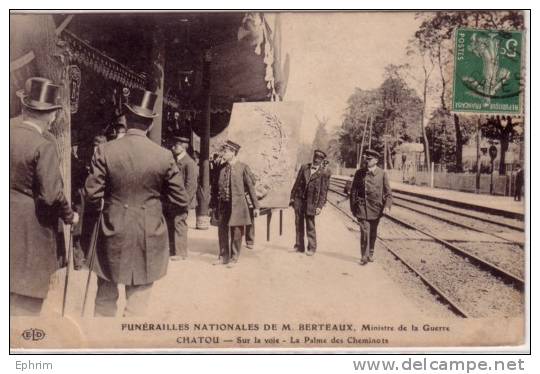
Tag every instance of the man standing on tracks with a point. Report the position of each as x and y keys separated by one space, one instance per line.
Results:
x=371 y=196
x=132 y=175
x=308 y=197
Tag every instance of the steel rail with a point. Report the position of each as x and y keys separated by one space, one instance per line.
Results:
x=445 y=298
x=341 y=183
x=458 y=224
x=516 y=280
x=487 y=220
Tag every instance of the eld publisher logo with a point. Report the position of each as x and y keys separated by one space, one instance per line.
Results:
x=33 y=334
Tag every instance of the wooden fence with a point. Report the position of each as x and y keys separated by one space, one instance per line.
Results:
x=502 y=184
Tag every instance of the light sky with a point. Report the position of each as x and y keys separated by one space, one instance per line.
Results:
x=332 y=53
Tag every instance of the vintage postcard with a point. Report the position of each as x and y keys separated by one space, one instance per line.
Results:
x=269 y=181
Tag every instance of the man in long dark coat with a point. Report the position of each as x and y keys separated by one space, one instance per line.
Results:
x=308 y=197
x=229 y=198
x=132 y=175
x=36 y=198
x=371 y=196
x=176 y=219
x=250 y=229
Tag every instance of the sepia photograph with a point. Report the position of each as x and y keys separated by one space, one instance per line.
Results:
x=269 y=181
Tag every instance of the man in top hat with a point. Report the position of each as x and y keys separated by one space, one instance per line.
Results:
x=176 y=219
x=370 y=197
x=229 y=198
x=36 y=197
x=133 y=175
x=308 y=197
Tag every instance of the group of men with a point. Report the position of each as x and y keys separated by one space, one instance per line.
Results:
x=142 y=193
x=370 y=198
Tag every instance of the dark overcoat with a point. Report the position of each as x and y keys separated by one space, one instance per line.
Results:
x=190 y=175
x=37 y=200
x=133 y=175
x=309 y=191
x=370 y=194
x=241 y=185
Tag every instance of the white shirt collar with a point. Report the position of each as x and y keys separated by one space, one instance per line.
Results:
x=39 y=129
x=181 y=156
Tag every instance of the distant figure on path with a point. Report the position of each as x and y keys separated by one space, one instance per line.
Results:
x=520 y=180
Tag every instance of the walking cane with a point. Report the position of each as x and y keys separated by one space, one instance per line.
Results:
x=92 y=256
x=68 y=250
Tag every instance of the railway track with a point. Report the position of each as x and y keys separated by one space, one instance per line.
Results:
x=506 y=223
x=503 y=229
x=451 y=219
x=447 y=299
x=473 y=263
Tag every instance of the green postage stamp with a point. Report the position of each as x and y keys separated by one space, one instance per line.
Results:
x=487 y=71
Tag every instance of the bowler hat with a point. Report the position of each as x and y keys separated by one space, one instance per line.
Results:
x=40 y=94
x=373 y=154
x=142 y=103
x=232 y=145
x=319 y=153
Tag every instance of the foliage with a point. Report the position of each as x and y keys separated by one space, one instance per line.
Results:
x=322 y=138
x=303 y=154
x=392 y=109
x=435 y=37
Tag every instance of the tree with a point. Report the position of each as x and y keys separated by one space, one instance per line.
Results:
x=361 y=105
x=502 y=129
x=303 y=154
x=392 y=109
x=427 y=66
x=401 y=108
x=435 y=36
x=322 y=138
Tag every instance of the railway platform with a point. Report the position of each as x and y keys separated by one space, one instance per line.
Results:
x=269 y=283
x=412 y=281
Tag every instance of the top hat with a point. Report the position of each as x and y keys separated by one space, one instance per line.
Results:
x=232 y=145
x=318 y=152
x=142 y=103
x=370 y=153
x=40 y=94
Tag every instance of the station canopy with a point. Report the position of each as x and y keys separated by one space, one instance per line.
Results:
x=166 y=52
